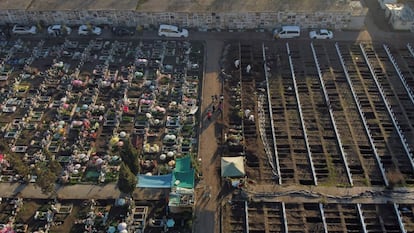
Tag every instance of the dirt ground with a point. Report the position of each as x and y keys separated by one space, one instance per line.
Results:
x=209 y=187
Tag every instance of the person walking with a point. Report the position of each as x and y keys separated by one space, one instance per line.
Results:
x=220 y=107
x=209 y=114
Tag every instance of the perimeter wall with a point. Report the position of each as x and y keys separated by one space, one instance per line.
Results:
x=197 y=20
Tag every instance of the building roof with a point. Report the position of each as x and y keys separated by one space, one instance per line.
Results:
x=14 y=4
x=41 y=5
x=236 y=6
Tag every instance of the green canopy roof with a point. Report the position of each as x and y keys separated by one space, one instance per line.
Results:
x=183 y=164
x=183 y=179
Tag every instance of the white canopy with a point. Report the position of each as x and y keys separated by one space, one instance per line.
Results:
x=232 y=166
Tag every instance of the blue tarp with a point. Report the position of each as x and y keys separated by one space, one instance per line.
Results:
x=162 y=181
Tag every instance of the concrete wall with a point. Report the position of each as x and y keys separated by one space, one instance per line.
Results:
x=202 y=20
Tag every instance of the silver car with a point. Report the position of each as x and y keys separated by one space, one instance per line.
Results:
x=23 y=30
x=89 y=30
x=321 y=34
x=172 y=31
x=57 y=30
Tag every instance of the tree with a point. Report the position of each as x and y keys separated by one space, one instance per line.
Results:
x=55 y=167
x=46 y=179
x=130 y=156
x=127 y=180
x=18 y=165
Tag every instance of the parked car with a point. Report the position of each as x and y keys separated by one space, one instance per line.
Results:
x=321 y=34
x=286 y=32
x=123 y=31
x=58 y=30
x=88 y=30
x=172 y=31
x=23 y=30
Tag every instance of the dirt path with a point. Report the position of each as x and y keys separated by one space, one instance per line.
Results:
x=208 y=189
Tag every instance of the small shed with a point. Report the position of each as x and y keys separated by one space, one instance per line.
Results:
x=400 y=16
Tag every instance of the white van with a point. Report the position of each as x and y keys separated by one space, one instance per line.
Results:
x=286 y=32
x=172 y=31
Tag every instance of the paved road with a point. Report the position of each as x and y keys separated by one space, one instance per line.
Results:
x=371 y=32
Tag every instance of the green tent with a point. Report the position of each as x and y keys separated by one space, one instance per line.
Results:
x=184 y=179
x=183 y=164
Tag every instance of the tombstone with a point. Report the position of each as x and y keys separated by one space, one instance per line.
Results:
x=248 y=68
x=237 y=64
